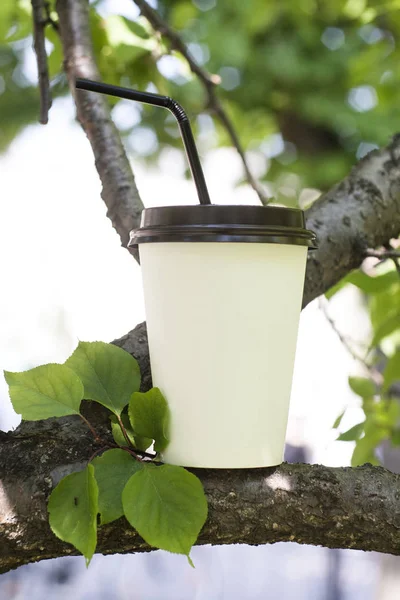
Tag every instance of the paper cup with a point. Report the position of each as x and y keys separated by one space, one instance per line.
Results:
x=223 y=288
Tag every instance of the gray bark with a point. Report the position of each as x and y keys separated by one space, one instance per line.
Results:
x=119 y=192
x=360 y=212
x=308 y=504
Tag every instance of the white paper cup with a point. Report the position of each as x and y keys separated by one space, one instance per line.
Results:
x=223 y=288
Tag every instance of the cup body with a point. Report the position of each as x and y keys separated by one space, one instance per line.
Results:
x=222 y=323
x=223 y=289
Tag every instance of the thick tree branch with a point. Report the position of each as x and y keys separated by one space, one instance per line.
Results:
x=209 y=82
x=119 y=192
x=310 y=504
x=362 y=211
x=39 y=23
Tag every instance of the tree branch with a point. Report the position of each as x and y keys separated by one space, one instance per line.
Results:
x=334 y=507
x=39 y=23
x=383 y=254
x=362 y=211
x=119 y=192
x=394 y=255
x=209 y=82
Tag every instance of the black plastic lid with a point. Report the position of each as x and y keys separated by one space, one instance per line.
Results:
x=219 y=223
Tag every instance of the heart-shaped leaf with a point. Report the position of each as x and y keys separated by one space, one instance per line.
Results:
x=109 y=374
x=149 y=414
x=362 y=387
x=73 y=508
x=47 y=391
x=352 y=434
x=112 y=471
x=166 y=505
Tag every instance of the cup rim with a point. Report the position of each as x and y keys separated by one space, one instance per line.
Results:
x=223 y=223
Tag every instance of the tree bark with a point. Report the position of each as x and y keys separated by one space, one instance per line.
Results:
x=119 y=192
x=308 y=504
x=360 y=212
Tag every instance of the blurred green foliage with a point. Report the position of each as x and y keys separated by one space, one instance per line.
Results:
x=379 y=390
x=311 y=85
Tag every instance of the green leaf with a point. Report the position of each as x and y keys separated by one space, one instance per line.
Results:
x=116 y=430
x=167 y=506
x=372 y=285
x=141 y=443
x=385 y=305
x=338 y=420
x=124 y=41
x=388 y=327
x=19 y=25
x=73 y=508
x=385 y=413
x=364 y=450
x=392 y=371
x=55 y=58
x=149 y=414
x=112 y=471
x=139 y=27
x=6 y=21
x=335 y=288
x=369 y=285
x=109 y=374
x=362 y=387
x=47 y=391
x=395 y=438
x=352 y=434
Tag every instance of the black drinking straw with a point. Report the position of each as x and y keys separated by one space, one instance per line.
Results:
x=177 y=111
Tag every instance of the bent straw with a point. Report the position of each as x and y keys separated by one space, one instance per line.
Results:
x=177 y=111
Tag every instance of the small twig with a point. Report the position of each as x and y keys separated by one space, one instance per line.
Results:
x=389 y=253
x=40 y=20
x=140 y=452
x=130 y=448
x=374 y=373
x=394 y=255
x=209 y=82
x=97 y=438
x=134 y=453
x=124 y=432
x=102 y=449
x=384 y=254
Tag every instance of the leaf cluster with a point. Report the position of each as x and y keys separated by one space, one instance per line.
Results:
x=379 y=390
x=164 y=503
